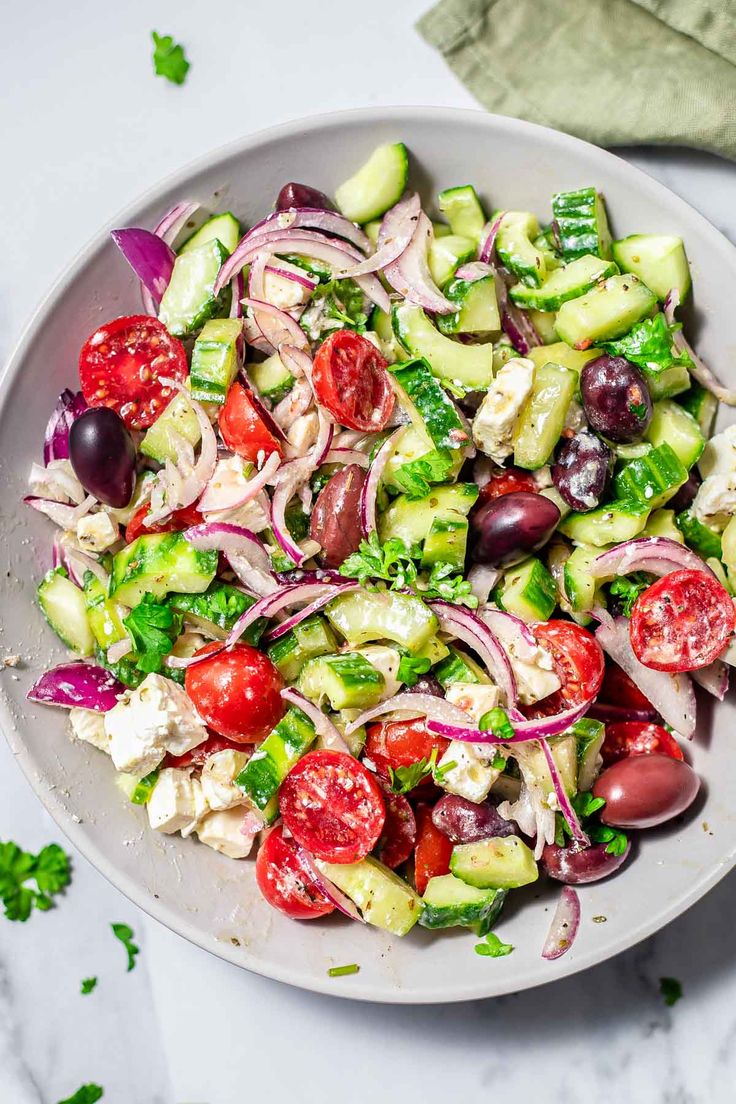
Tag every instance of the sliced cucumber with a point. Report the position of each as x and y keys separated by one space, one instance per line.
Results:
x=477 y=307
x=582 y=224
x=446 y=542
x=589 y=737
x=672 y=424
x=610 y=524
x=270 y=763
x=449 y=903
x=564 y=753
x=659 y=260
x=270 y=378
x=383 y=898
x=64 y=607
x=515 y=247
x=224 y=227
x=701 y=538
x=528 y=591
x=216 y=610
x=433 y=412
x=469 y=367
x=459 y=667
x=544 y=324
x=463 y=211
x=652 y=479
x=662 y=523
x=664 y=383
x=565 y=283
x=411 y=519
x=312 y=637
x=376 y=186
x=157 y=564
x=703 y=406
x=347 y=681
x=383 y=615
x=607 y=311
x=502 y=862
x=560 y=353
x=446 y=254
x=178 y=419
x=543 y=415
x=580 y=587
x=215 y=359
x=414 y=461
x=105 y=616
x=190 y=300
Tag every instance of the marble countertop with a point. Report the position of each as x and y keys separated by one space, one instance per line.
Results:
x=85 y=127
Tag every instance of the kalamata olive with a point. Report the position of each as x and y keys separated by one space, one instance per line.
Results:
x=581 y=470
x=686 y=493
x=615 y=397
x=463 y=821
x=103 y=455
x=427 y=684
x=642 y=791
x=301 y=195
x=508 y=529
x=578 y=867
x=335 y=520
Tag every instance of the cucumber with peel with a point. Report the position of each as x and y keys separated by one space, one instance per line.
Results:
x=224 y=227
x=502 y=862
x=543 y=415
x=563 y=284
x=449 y=903
x=581 y=223
x=607 y=311
x=463 y=211
x=659 y=260
x=515 y=247
x=64 y=607
x=376 y=186
x=467 y=367
x=384 y=899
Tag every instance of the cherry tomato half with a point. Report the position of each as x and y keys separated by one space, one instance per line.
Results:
x=180 y=519
x=121 y=363
x=681 y=622
x=237 y=692
x=350 y=379
x=333 y=806
x=638 y=738
x=507 y=482
x=401 y=743
x=199 y=755
x=285 y=882
x=242 y=427
x=618 y=689
x=399 y=831
x=578 y=661
x=433 y=850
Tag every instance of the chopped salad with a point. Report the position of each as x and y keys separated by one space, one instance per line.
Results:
x=392 y=544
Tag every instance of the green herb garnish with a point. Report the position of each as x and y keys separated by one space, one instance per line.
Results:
x=125 y=934
x=169 y=59
x=403 y=779
x=649 y=345
x=343 y=971
x=493 y=947
x=88 y=984
x=445 y=582
x=628 y=589
x=497 y=721
x=153 y=628
x=440 y=772
x=392 y=561
x=87 y=1094
x=49 y=869
x=671 y=990
x=411 y=668
x=415 y=477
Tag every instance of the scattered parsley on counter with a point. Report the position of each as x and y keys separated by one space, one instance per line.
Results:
x=169 y=59
x=125 y=934
x=493 y=947
x=87 y=1094
x=671 y=990
x=343 y=971
x=88 y=984
x=49 y=869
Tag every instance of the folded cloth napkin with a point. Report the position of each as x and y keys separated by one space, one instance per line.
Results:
x=617 y=72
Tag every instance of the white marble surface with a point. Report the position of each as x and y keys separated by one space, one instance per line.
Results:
x=83 y=128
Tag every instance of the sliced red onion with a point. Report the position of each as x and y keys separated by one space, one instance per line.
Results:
x=119 y=649
x=215 y=498
x=59 y=479
x=313 y=607
x=510 y=630
x=174 y=221
x=151 y=259
x=77 y=684
x=397 y=230
x=670 y=694
x=77 y=562
x=189 y=485
x=253 y=336
x=230 y=539
x=322 y=723
x=515 y=322
x=370 y=486
x=292 y=476
x=292 y=331
x=62 y=515
x=256 y=582
x=483 y=579
x=271 y=604
x=342 y=903
x=540 y=729
x=410 y=275
x=714 y=678
x=347 y=456
x=474 y=270
x=315 y=218
x=564 y=926
x=412 y=705
x=237 y=291
x=297 y=361
x=563 y=800
x=611 y=714
x=56 y=437
x=487 y=246
x=182 y=662
x=301 y=277
x=699 y=370
x=657 y=555
x=468 y=627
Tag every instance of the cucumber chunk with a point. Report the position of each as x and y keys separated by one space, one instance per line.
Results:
x=703 y=406
x=564 y=753
x=178 y=419
x=659 y=260
x=652 y=479
x=565 y=283
x=215 y=359
x=446 y=542
x=582 y=223
x=589 y=736
x=271 y=378
x=515 y=247
x=384 y=899
x=607 y=311
x=558 y=352
x=270 y=763
x=216 y=610
x=543 y=415
x=312 y=638
x=446 y=254
x=502 y=862
x=105 y=616
x=701 y=538
x=463 y=211
x=347 y=681
x=581 y=589
x=377 y=615
x=376 y=186
x=662 y=523
x=64 y=607
x=477 y=307
x=190 y=300
x=672 y=424
x=469 y=367
x=544 y=324
x=459 y=667
x=157 y=564
x=411 y=519
x=528 y=591
x=610 y=524
x=449 y=903
x=224 y=227
x=433 y=413
x=664 y=383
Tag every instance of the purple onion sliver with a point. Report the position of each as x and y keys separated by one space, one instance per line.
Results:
x=370 y=486
x=151 y=259
x=78 y=684
x=564 y=926
x=562 y=799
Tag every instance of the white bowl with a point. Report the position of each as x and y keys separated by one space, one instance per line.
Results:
x=211 y=900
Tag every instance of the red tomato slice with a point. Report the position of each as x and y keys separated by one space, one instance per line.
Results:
x=237 y=692
x=624 y=738
x=618 y=689
x=242 y=427
x=333 y=806
x=120 y=366
x=351 y=381
x=681 y=622
x=579 y=663
x=198 y=756
x=433 y=850
x=401 y=743
x=285 y=882
x=180 y=519
x=507 y=482
x=399 y=831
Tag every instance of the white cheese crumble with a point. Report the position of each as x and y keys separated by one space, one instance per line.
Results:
x=495 y=421
x=89 y=726
x=223 y=831
x=176 y=802
x=97 y=532
x=218 y=779
x=148 y=722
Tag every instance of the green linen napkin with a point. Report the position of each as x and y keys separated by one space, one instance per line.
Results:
x=617 y=72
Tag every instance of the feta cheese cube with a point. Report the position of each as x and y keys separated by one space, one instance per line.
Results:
x=715 y=501
x=472 y=775
x=303 y=432
x=386 y=660
x=97 y=532
x=176 y=802
x=495 y=421
x=475 y=698
x=283 y=293
x=223 y=831
x=147 y=722
x=535 y=677
x=719 y=455
x=218 y=779
x=89 y=726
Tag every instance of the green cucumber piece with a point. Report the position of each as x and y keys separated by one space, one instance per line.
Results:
x=347 y=681
x=411 y=519
x=376 y=186
x=528 y=591
x=190 y=300
x=607 y=311
x=435 y=414
x=564 y=284
x=434 y=650
x=672 y=424
x=652 y=479
x=502 y=862
x=564 y=753
x=503 y=352
x=477 y=307
x=178 y=419
x=610 y=524
x=446 y=542
x=662 y=523
x=105 y=617
x=468 y=367
x=459 y=667
x=224 y=227
x=64 y=607
x=515 y=247
x=312 y=637
x=449 y=902
x=559 y=353
x=462 y=209
x=659 y=260
x=544 y=324
x=377 y=615
x=415 y=464
x=270 y=378
x=589 y=736
x=701 y=538
x=582 y=223
x=216 y=610
x=703 y=405
x=580 y=588
x=384 y=899
x=667 y=382
x=543 y=415
x=447 y=253
x=158 y=564
x=272 y=760
x=215 y=359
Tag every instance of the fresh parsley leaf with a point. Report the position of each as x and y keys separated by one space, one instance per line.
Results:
x=628 y=590
x=49 y=869
x=649 y=345
x=498 y=762
x=616 y=840
x=415 y=477
x=638 y=409
x=493 y=947
x=439 y=772
x=335 y=305
x=671 y=990
x=411 y=668
x=497 y=721
x=585 y=805
x=169 y=59
x=392 y=561
x=444 y=582
x=88 y=984
x=404 y=779
x=87 y=1094
x=153 y=628
x=125 y=934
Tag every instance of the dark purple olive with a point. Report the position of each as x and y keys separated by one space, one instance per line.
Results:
x=509 y=528
x=582 y=469
x=686 y=493
x=578 y=867
x=615 y=397
x=301 y=195
x=103 y=455
x=463 y=821
x=427 y=684
x=335 y=520
x=642 y=791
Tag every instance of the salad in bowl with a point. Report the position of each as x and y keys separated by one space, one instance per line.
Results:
x=390 y=542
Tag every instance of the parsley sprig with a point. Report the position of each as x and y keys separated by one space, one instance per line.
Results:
x=87 y=1094
x=169 y=59
x=125 y=934
x=587 y=807
x=445 y=582
x=394 y=562
x=493 y=947
x=649 y=345
x=403 y=779
x=411 y=669
x=49 y=869
x=153 y=628
x=88 y=985
x=627 y=590
x=671 y=990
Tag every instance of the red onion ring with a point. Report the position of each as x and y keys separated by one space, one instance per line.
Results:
x=324 y=727
x=342 y=903
x=370 y=486
x=410 y=275
x=415 y=705
x=191 y=661
x=270 y=604
x=316 y=218
x=487 y=246
x=397 y=230
x=563 y=800
x=468 y=627
x=657 y=555
x=700 y=371
x=564 y=926
x=303 y=278
x=209 y=502
x=313 y=607
x=230 y=539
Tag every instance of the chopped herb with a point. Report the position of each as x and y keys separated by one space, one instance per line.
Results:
x=587 y=807
x=497 y=721
x=415 y=477
x=49 y=869
x=169 y=59
x=392 y=561
x=445 y=582
x=343 y=971
x=628 y=589
x=153 y=628
x=440 y=772
x=125 y=934
x=649 y=345
x=88 y=984
x=144 y=788
x=638 y=409
x=335 y=305
x=87 y=1094
x=493 y=947
x=498 y=762
x=404 y=779
x=671 y=990
x=411 y=668
x=616 y=841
